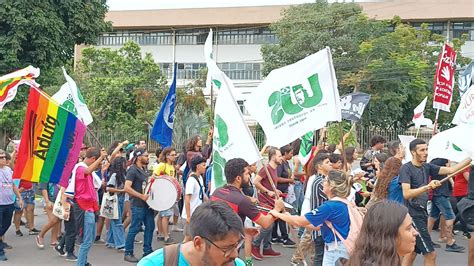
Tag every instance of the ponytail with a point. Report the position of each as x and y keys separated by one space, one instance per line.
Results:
x=340 y=183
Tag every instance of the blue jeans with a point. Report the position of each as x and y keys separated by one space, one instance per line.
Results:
x=265 y=236
x=141 y=215
x=441 y=205
x=116 y=233
x=88 y=237
x=299 y=194
x=331 y=256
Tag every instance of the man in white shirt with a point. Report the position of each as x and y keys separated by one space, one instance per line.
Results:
x=194 y=193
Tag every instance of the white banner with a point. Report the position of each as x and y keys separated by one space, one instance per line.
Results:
x=455 y=144
x=296 y=99
x=465 y=112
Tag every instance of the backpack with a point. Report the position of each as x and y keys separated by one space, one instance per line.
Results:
x=171 y=255
x=356 y=217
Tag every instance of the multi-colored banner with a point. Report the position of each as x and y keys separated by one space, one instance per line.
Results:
x=9 y=83
x=444 y=79
x=50 y=142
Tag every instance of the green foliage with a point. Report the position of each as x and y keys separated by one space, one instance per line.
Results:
x=43 y=34
x=395 y=67
x=335 y=134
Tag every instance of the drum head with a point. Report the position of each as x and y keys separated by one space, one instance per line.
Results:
x=163 y=195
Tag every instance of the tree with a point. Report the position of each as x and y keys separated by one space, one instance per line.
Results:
x=43 y=34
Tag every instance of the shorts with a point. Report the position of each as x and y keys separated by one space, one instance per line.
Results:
x=441 y=205
x=167 y=213
x=28 y=197
x=424 y=244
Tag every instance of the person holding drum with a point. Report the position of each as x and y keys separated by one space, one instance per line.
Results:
x=237 y=175
x=166 y=167
x=135 y=185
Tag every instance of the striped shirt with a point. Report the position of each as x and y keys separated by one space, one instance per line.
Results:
x=318 y=196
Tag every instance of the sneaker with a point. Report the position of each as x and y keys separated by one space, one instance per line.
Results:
x=139 y=241
x=122 y=249
x=88 y=264
x=169 y=241
x=294 y=262
x=288 y=243
x=60 y=251
x=71 y=257
x=19 y=233
x=270 y=253
x=454 y=248
x=248 y=262
x=6 y=246
x=39 y=242
x=130 y=258
x=3 y=257
x=436 y=245
x=54 y=244
x=256 y=253
x=33 y=232
x=99 y=242
x=276 y=241
x=177 y=229
x=22 y=223
x=160 y=237
x=466 y=235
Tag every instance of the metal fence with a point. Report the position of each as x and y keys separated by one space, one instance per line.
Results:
x=106 y=138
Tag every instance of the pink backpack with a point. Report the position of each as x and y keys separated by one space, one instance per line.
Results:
x=356 y=217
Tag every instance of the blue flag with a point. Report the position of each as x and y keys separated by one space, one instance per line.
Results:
x=162 y=130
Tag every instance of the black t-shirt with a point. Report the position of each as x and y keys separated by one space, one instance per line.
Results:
x=139 y=178
x=283 y=171
x=445 y=189
x=417 y=177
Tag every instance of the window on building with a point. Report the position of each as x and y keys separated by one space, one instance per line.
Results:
x=440 y=28
x=241 y=106
x=246 y=36
x=119 y=38
x=461 y=28
x=243 y=71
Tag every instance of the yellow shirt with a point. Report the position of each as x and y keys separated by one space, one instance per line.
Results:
x=164 y=169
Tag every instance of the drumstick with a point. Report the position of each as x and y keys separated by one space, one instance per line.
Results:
x=455 y=173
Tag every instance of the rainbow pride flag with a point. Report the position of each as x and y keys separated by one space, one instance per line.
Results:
x=9 y=83
x=50 y=142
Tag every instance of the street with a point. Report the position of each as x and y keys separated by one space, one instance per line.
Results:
x=25 y=252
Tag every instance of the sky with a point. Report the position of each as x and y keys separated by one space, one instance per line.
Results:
x=174 y=4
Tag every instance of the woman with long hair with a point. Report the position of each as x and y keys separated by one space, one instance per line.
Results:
x=386 y=236
x=116 y=183
x=388 y=173
x=336 y=186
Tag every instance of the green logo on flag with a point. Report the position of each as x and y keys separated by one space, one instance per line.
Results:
x=282 y=102
x=456 y=148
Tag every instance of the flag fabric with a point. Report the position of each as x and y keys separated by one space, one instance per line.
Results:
x=444 y=79
x=353 y=105
x=162 y=130
x=9 y=83
x=71 y=99
x=232 y=137
x=466 y=78
x=454 y=144
x=306 y=147
x=465 y=112
x=296 y=99
x=418 y=115
x=50 y=142
x=405 y=140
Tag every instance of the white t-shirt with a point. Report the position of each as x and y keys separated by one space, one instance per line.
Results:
x=306 y=206
x=193 y=188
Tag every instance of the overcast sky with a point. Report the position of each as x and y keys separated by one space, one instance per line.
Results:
x=171 y=4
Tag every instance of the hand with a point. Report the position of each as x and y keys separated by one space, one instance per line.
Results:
x=253 y=200
x=434 y=184
x=49 y=205
x=271 y=193
x=279 y=192
x=252 y=231
x=365 y=194
x=103 y=153
x=144 y=197
x=210 y=134
x=125 y=143
x=66 y=215
x=279 y=205
x=20 y=202
x=188 y=220
x=292 y=180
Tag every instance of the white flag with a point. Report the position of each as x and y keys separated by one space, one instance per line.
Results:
x=465 y=112
x=232 y=137
x=296 y=99
x=70 y=98
x=405 y=140
x=419 y=117
x=454 y=144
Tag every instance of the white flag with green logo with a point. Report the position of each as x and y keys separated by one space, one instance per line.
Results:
x=296 y=99
x=306 y=147
x=454 y=144
x=71 y=98
x=232 y=137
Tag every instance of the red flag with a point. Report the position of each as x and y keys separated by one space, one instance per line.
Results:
x=444 y=79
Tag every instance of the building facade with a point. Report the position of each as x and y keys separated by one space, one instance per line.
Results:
x=178 y=35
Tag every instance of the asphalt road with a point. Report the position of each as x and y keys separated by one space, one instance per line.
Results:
x=25 y=252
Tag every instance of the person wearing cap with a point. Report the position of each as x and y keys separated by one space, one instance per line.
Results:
x=135 y=184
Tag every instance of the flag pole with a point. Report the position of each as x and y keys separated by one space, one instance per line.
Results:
x=98 y=142
x=455 y=173
x=417 y=131
x=435 y=127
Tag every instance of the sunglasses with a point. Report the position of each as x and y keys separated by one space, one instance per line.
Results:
x=3 y=157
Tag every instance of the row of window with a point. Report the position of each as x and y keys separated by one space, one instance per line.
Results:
x=457 y=28
x=242 y=71
x=190 y=37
